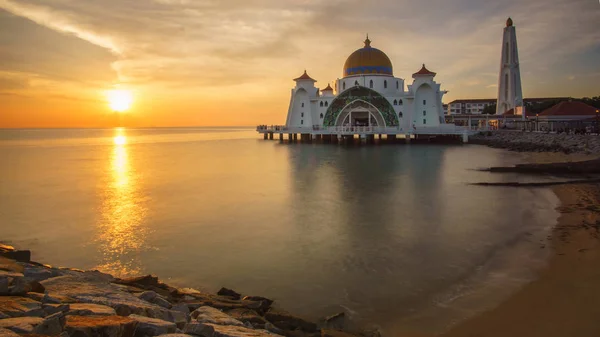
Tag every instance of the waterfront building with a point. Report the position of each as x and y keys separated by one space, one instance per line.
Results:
x=476 y=105
x=510 y=94
x=367 y=95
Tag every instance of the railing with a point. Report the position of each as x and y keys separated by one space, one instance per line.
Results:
x=442 y=129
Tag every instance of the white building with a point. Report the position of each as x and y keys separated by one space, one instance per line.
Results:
x=368 y=94
x=510 y=94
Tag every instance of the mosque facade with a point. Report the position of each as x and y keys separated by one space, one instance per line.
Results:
x=368 y=94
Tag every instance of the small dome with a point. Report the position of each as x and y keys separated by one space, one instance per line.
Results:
x=509 y=22
x=368 y=60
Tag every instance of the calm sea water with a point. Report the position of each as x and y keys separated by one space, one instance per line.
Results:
x=391 y=234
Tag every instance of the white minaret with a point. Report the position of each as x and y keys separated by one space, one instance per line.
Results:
x=510 y=94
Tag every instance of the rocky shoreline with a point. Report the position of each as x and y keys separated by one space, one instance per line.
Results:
x=538 y=142
x=41 y=300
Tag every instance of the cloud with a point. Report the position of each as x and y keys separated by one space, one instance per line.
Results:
x=216 y=45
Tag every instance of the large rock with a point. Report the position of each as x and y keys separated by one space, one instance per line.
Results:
x=336 y=333
x=21 y=325
x=214 y=316
x=52 y=325
x=51 y=309
x=15 y=306
x=96 y=289
x=15 y=283
x=17 y=255
x=265 y=302
x=221 y=302
x=152 y=326
x=8 y=333
x=175 y=335
x=247 y=315
x=86 y=309
x=229 y=293
x=237 y=331
x=287 y=321
x=100 y=326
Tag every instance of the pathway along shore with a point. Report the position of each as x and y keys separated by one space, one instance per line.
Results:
x=39 y=300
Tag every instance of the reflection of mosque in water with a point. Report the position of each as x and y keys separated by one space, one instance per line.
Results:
x=121 y=232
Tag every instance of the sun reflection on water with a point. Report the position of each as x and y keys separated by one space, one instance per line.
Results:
x=122 y=233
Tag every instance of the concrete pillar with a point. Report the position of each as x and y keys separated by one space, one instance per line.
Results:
x=295 y=136
x=266 y=136
x=271 y=135
x=391 y=138
x=465 y=137
x=281 y=137
x=407 y=138
x=379 y=135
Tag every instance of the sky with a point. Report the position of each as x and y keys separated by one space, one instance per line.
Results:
x=231 y=62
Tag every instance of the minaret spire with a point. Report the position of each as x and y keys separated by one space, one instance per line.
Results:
x=367 y=41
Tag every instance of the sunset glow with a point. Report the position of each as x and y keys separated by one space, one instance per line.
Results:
x=119 y=100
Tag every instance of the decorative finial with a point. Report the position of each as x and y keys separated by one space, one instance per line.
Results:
x=367 y=41
x=509 y=22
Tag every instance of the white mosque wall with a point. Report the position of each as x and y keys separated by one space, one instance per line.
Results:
x=300 y=109
x=426 y=110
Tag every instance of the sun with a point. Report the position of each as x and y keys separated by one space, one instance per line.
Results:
x=119 y=100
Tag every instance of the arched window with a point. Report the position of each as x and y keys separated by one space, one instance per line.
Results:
x=397 y=85
x=326 y=104
x=424 y=113
x=303 y=105
x=395 y=102
x=321 y=116
x=400 y=102
x=321 y=104
x=344 y=86
x=424 y=102
x=371 y=84
x=385 y=84
x=356 y=83
x=302 y=114
x=400 y=114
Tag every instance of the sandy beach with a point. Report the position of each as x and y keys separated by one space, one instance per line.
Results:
x=564 y=300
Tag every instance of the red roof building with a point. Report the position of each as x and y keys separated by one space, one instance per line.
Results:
x=570 y=108
x=304 y=77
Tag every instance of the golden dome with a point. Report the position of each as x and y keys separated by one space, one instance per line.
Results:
x=368 y=60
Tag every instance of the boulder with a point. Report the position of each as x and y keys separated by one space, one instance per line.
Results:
x=175 y=335
x=51 y=309
x=214 y=316
x=152 y=326
x=98 y=290
x=15 y=306
x=198 y=329
x=17 y=255
x=15 y=283
x=335 y=322
x=247 y=315
x=229 y=293
x=161 y=301
x=8 y=333
x=51 y=325
x=21 y=325
x=147 y=296
x=237 y=331
x=144 y=282
x=287 y=321
x=100 y=326
x=38 y=273
x=4 y=286
x=86 y=309
x=266 y=302
x=181 y=307
x=336 y=333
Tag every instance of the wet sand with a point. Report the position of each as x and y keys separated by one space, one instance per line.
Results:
x=565 y=299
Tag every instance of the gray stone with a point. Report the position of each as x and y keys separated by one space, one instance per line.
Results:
x=51 y=309
x=100 y=326
x=246 y=315
x=95 y=288
x=3 y=286
x=16 y=306
x=287 y=321
x=147 y=296
x=52 y=325
x=8 y=333
x=237 y=331
x=182 y=307
x=178 y=317
x=211 y=315
x=175 y=335
x=86 y=309
x=199 y=329
x=152 y=326
x=21 y=325
x=161 y=301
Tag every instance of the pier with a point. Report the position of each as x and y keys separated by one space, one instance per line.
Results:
x=367 y=134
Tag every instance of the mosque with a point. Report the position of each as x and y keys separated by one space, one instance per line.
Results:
x=368 y=94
